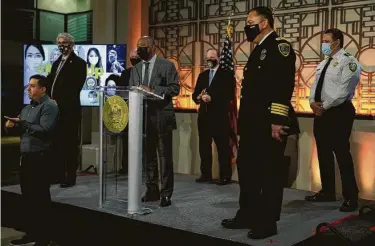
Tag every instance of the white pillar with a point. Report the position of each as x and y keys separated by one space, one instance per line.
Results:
x=135 y=152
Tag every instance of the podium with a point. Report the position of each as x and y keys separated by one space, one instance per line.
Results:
x=113 y=112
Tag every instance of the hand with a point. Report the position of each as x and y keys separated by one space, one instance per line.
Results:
x=317 y=108
x=206 y=98
x=277 y=132
x=9 y=124
x=199 y=97
x=146 y=88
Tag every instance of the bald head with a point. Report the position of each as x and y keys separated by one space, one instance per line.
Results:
x=146 y=48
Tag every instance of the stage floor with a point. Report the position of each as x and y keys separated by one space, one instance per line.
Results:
x=199 y=208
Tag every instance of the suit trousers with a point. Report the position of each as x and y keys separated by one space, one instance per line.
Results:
x=260 y=165
x=35 y=185
x=332 y=132
x=209 y=130
x=66 y=147
x=159 y=147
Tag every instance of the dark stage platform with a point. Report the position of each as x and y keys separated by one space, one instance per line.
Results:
x=193 y=218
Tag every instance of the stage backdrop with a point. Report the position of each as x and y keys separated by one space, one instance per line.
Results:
x=185 y=29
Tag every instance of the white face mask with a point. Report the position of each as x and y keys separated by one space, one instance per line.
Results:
x=93 y=60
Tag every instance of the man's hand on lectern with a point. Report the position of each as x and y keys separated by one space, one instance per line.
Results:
x=147 y=88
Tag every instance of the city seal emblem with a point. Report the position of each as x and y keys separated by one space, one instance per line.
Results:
x=115 y=114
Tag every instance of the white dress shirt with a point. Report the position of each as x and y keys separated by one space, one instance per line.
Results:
x=340 y=81
x=150 y=68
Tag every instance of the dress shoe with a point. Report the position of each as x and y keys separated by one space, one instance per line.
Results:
x=235 y=224
x=262 y=232
x=67 y=184
x=224 y=181
x=321 y=197
x=203 y=179
x=165 y=202
x=151 y=197
x=349 y=206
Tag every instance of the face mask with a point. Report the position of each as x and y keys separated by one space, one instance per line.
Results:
x=112 y=58
x=143 y=53
x=134 y=61
x=211 y=63
x=64 y=49
x=252 y=31
x=326 y=49
x=93 y=60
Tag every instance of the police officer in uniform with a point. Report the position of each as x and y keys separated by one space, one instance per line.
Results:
x=330 y=99
x=264 y=123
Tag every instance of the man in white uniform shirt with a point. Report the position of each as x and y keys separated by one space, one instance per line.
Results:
x=336 y=79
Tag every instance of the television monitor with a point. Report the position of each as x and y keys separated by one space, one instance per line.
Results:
x=108 y=59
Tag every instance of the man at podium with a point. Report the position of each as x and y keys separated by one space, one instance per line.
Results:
x=159 y=76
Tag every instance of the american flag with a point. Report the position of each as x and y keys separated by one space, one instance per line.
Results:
x=226 y=62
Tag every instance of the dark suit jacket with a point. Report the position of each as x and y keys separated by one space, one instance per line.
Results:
x=221 y=91
x=164 y=80
x=68 y=85
x=125 y=77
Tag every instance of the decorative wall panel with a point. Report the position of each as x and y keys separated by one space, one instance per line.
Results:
x=185 y=29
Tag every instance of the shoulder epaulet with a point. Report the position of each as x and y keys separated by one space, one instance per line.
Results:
x=281 y=39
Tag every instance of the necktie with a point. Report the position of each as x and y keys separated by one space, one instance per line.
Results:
x=319 y=87
x=210 y=77
x=146 y=79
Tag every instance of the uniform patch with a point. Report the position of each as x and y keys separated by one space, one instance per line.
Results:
x=263 y=54
x=352 y=66
x=347 y=54
x=284 y=49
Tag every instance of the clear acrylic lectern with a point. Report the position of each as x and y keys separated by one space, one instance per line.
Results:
x=112 y=116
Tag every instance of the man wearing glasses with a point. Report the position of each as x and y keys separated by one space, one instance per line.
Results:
x=67 y=77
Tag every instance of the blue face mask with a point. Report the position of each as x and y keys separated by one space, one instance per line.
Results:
x=326 y=49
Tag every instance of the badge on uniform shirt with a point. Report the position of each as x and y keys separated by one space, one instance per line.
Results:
x=352 y=66
x=263 y=54
x=284 y=49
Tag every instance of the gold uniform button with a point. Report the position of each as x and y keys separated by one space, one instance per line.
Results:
x=258 y=66
x=241 y=96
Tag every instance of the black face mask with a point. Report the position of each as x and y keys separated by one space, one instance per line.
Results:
x=252 y=31
x=64 y=49
x=134 y=61
x=211 y=63
x=143 y=53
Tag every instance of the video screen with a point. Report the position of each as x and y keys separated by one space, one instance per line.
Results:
x=102 y=61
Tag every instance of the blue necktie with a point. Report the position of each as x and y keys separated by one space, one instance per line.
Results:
x=210 y=77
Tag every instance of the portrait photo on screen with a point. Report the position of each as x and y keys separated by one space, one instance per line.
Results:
x=116 y=58
x=38 y=59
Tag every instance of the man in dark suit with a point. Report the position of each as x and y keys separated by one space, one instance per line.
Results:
x=159 y=76
x=213 y=91
x=68 y=74
x=263 y=124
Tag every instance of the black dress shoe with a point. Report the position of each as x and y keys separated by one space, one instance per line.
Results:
x=151 y=197
x=349 y=206
x=165 y=202
x=67 y=184
x=224 y=181
x=321 y=197
x=262 y=232
x=235 y=224
x=203 y=179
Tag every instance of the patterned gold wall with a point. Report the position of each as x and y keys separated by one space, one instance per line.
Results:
x=185 y=29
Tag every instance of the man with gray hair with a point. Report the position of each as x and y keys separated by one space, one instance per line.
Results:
x=68 y=74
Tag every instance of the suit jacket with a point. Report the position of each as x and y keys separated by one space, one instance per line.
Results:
x=221 y=91
x=125 y=77
x=164 y=82
x=68 y=84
